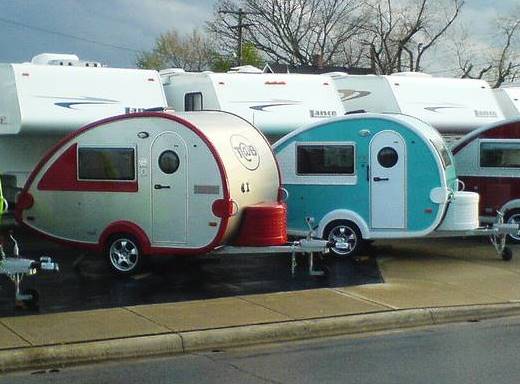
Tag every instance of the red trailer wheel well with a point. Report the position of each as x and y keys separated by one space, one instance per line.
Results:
x=126 y=227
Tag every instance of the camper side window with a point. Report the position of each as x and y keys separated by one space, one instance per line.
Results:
x=117 y=164
x=500 y=155
x=193 y=101
x=328 y=159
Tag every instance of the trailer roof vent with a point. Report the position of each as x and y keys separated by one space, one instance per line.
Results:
x=63 y=59
x=412 y=74
x=245 y=69
x=336 y=75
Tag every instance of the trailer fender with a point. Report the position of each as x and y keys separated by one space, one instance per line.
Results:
x=126 y=227
x=343 y=214
x=512 y=204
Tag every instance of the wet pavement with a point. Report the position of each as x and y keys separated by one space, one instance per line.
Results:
x=85 y=282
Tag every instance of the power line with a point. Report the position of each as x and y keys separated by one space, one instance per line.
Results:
x=69 y=36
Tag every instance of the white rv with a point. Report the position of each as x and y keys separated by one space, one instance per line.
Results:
x=452 y=106
x=508 y=97
x=275 y=103
x=54 y=94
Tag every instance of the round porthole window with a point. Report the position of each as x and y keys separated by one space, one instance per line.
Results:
x=387 y=157
x=168 y=162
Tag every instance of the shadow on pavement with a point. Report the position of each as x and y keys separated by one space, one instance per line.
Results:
x=85 y=281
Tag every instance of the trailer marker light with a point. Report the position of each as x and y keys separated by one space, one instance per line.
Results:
x=212 y=224
x=151 y=79
x=428 y=210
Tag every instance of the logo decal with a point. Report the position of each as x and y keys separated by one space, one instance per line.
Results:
x=485 y=114
x=321 y=113
x=351 y=94
x=245 y=152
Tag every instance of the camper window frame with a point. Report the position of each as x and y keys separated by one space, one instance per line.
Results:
x=92 y=146
x=201 y=101
x=494 y=141
x=326 y=143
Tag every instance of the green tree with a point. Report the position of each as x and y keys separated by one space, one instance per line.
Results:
x=250 y=56
x=193 y=52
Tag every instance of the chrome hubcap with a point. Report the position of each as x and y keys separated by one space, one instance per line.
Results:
x=345 y=238
x=124 y=255
x=514 y=219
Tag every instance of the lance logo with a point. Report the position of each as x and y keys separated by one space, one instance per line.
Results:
x=245 y=152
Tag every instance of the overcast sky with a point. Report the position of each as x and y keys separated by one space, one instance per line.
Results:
x=113 y=31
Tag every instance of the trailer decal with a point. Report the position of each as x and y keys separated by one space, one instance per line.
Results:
x=350 y=94
x=262 y=107
x=84 y=100
x=436 y=109
x=245 y=152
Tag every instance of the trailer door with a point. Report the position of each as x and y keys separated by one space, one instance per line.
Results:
x=388 y=181
x=169 y=189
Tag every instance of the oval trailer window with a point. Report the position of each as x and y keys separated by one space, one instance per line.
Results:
x=387 y=157
x=168 y=162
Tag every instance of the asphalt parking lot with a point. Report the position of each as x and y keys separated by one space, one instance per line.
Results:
x=85 y=282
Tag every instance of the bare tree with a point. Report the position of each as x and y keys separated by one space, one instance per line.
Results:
x=292 y=31
x=399 y=35
x=193 y=52
x=500 y=62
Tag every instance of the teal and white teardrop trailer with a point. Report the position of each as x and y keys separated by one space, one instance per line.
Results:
x=372 y=176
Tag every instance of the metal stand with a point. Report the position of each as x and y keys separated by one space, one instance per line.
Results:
x=499 y=239
x=16 y=268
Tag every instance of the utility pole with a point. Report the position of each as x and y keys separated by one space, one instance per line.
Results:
x=240 y=13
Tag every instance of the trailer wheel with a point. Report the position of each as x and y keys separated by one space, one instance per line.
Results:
x=124 y=254
x=347 y=234
x=513 y=217
x=507 y=254
x=31 y=303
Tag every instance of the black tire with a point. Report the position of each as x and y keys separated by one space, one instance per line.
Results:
x=123 y=254
x=31 y=303
x=347 y=231
x=513 y=217
x=507 y=254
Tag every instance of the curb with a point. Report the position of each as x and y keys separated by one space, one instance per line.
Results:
x=192 y=341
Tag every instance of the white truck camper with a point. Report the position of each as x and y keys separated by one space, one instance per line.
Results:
x=276 y=103
x=54 y=94
x=453 y=106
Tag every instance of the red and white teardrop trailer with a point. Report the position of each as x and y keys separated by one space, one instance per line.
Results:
x=157 y=183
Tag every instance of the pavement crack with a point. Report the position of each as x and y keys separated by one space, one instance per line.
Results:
x=362 y=298
x=266 y=307
x=16 y=333
x=148 y=319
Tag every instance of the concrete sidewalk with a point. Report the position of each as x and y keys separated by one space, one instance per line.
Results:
x=422 y=287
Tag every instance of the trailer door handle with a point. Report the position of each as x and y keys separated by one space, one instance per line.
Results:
x=380 y=178
x=159 y=186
